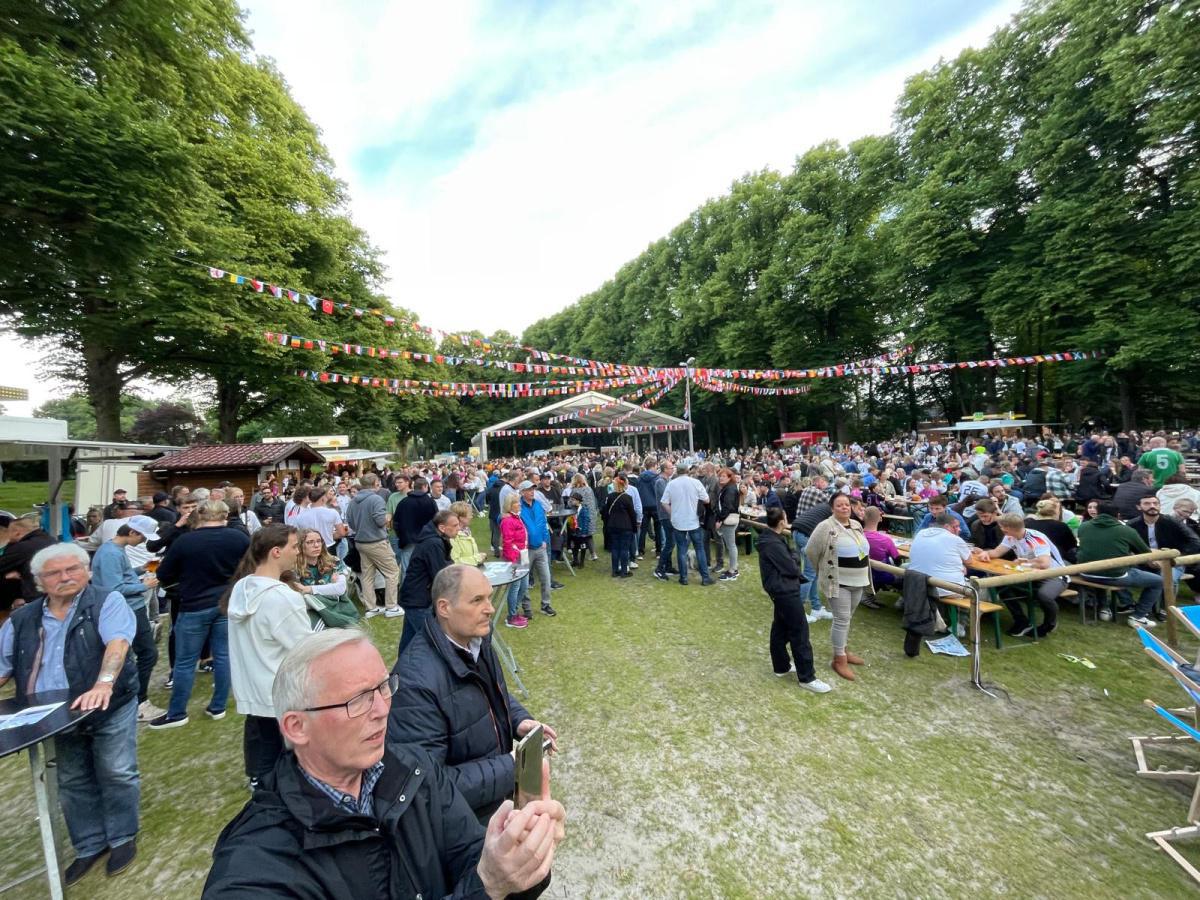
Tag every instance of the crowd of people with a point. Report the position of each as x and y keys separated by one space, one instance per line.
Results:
x=267 y=595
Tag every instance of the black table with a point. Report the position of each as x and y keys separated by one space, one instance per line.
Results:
x=42 y=766
x=558 y=519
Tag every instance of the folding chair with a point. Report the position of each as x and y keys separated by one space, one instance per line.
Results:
x=1189 y=616
x=1163 y=839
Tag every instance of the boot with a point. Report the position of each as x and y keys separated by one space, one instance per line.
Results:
x=854 y=659
x=839 y=666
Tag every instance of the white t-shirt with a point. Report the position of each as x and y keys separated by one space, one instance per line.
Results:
x=682 y=495
x=939 y=554
x=321 y=519
x=1032 y=545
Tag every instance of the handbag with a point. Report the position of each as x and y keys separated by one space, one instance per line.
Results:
x=732 y=519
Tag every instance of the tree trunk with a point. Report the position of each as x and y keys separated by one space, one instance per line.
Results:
x=1125 y=395
x=781 y=412
x=911 y=391
x=741 y=408
x=103 y=367
x=230 y=396
x=1039 y=412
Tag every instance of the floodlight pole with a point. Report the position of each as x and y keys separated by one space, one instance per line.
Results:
x=687 y=399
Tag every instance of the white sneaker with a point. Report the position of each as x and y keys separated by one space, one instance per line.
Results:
x=373 y=611
x=822 y=613
x=816 y=686
x=394 y=613
x=790 y=670
x=1135 y=621
x=1105 y=614
x=961 y=631
x=148 y=711
x=633 y=565
x=811 y=618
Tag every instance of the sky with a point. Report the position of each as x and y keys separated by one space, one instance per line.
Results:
x=508 y=157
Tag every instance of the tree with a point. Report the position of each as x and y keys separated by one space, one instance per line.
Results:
x=166 y=423
x=79 y=414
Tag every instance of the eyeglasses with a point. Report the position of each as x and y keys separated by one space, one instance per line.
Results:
x=359 y=704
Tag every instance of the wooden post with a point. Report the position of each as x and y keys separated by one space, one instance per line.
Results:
x=1168 y=576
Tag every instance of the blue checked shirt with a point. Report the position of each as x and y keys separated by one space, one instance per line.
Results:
x=365 y=804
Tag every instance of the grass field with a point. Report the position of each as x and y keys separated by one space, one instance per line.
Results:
x=689 y=770
x=20 y=496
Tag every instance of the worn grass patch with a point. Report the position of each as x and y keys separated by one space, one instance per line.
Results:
x=689 y=770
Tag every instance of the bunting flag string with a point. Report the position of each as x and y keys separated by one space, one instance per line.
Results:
x=579 y=413
x=463 y=388
x=648 y=402
x=553 y=432
x=705 y=380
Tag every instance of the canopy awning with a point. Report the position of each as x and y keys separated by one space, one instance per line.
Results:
x=604 y=418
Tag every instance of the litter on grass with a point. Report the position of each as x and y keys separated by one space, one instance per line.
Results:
x=948 y=646
x=1082 y=660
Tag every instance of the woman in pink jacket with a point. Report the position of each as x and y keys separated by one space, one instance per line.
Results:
x=513 y=540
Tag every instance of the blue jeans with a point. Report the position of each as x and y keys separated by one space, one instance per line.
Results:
x=808 y=590
x=516 y=590
x=1150 y=583
x=405 y=555
x=622 y=550
x=395 y=543
x=667 y=540
x=98 y=782
x=192 y=629
x=414 y=621
x=696 y=536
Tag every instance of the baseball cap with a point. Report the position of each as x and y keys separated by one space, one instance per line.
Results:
x=120 y=491
x=144 y=525
x=525 y=485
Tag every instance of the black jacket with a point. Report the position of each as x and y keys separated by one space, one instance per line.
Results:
x=1127 y=496
x=431 y=554
x=1091 y=486
x=270 y=509
x=460 y=713
x=807 y=521
x=291 y=841
x=1168 y=534
x=1060 y=534
x=16 y=558
x=727 y=502
x=781 y=577
x=622 y=516
x=202 y=562
x=412 y=514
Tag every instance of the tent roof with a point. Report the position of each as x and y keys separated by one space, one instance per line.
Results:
x=601 y=419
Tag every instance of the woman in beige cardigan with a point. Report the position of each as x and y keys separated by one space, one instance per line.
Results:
x=839 y=552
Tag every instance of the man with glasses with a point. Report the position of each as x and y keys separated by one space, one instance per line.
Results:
x=341 y=815
x=76 y=638
x=452 y=700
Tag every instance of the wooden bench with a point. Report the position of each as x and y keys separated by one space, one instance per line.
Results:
x=906 y=523
x=986 y=608
x=1107 y=590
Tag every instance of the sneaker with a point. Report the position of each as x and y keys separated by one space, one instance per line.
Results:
x=1135 y=621
x=374 y=611
x=1018 y=630
x=640 y=556
x=816 y=686
x=790 y=670
x=822 y=613
x=734 y=574
x=555 y=586
x=1043 y=631
x=594 y=557
x=633 y=565
x=811 y=618
x=169 y=682
x=1105 y=614
x=80 y=867
x=205 y=667
x=517 y=622
x=148 y=711
x=871 y=603
x=548 y=610
x=707 y=583
x=214 y=715
x=165 y=721
x=395 y=612
x=726 y=576
x=253 y=785
x=120 y=858
x=661 y=576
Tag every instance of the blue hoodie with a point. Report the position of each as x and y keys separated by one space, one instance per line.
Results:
x=645 y=489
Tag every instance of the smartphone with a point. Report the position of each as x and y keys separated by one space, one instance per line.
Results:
x=529 y=767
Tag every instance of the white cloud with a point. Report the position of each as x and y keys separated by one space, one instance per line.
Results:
x=602 y=149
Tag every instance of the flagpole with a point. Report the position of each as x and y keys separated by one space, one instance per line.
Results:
x=687 y=400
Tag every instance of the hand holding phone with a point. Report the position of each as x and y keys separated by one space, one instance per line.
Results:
x=528 y=757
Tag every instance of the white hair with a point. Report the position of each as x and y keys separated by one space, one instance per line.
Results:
x=56 y=551
x=293 y=688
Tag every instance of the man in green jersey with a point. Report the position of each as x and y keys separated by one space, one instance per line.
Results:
x=1161 y=460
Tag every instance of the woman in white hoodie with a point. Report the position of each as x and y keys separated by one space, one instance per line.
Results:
x=266 y=619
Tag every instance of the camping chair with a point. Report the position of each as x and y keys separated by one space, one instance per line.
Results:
x=1171 y=661
x=1192 y=830
x=1190 y=617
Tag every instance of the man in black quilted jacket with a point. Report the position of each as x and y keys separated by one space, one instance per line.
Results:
x=452 y=699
